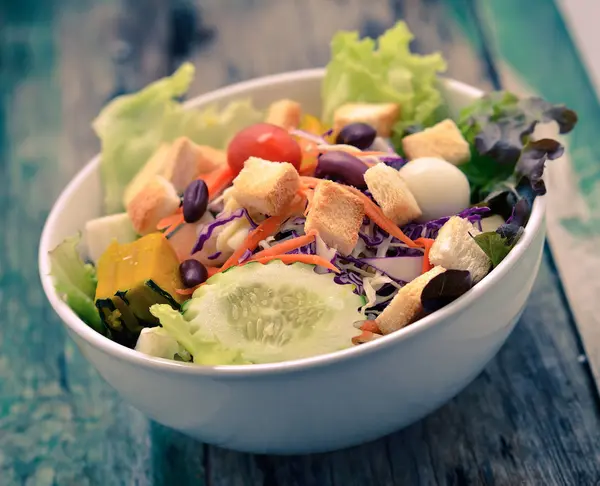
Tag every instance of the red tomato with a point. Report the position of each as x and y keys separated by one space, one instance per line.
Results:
x=266 y=141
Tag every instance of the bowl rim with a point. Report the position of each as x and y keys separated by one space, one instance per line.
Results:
x=105 y=345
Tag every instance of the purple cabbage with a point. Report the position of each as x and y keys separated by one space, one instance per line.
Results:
x=214 y=256
x=430 y=229
x=394 y=161
x=209 y=229
x=364 y=265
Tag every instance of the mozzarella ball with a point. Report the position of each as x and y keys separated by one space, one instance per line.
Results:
x=491 y=223
x=439 y=187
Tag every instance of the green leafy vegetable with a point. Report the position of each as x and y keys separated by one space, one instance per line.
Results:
x=75 y=281
x=204 y=350
x=533 y=159
x=365 y=70
x=133 y=126
x=495 y=246
x=498 y=127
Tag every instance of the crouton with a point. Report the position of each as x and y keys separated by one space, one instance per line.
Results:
x=154 y=166
x=392 y=194
x=455 y=249
x=406 y=305
x=381 y=116
x=266 y=187
x=284 y=113
x=155 y=201
x=185 y=161
x=442 y=140
x=179 y=162
x=337 y=215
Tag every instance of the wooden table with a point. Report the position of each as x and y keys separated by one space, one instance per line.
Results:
x=530 y=418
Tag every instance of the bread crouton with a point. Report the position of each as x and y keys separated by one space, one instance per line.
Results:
x=266 y=187
x=157 y=200
x=406 y=305
x=455 y=249
x=284 y=113
x=381 y=116
x=179 y=162
x=442 y=140
x=337 y=215
x=154 y=166
x=392 y=194
x=185 y=161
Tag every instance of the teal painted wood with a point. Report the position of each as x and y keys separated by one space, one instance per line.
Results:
x=530 y=418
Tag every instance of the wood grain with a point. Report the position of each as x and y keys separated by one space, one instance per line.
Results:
x=530 y=418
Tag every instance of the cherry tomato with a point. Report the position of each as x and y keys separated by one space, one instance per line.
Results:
x=266 y=141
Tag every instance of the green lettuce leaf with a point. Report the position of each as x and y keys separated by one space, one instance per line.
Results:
x=495 y=246
x=75 y=281
x=204 y=350
x=131 y=128
x=498 y=126
x=365 y=70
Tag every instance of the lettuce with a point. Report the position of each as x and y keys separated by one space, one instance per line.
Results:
x=205 y=350
x=75 y=281
x=383 y=71
x=132 y=127
x=498 y=127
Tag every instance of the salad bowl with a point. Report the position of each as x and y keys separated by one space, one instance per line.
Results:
x=320 y=403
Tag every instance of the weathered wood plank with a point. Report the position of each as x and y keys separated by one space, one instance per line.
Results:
x=530 y=418
x=249 y=36
x=60 y=423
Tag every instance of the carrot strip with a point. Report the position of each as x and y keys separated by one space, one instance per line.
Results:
x=267 y=228
x=218 y=180
x=371 y=152
x=299 y=258
x=373 y=211
x=286 y=246
x=310 y=182
x=370 y=326
x=426 y=243
x=376 y=215
x=169 y=220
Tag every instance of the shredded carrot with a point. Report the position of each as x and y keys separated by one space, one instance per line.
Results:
x=426 y=243
x=365 y=337
x=286 y=246
x=176 y=218
x=299 y=258
x=373 y=211
x=310 y=182
x=218 y=180
x=268 y=227
x=376 y=215
x=370 y=326
x=371 y=152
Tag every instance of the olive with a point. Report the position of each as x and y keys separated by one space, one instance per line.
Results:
x=195 y=201
x=358 y=135
x=192 y=273
x=342 y=167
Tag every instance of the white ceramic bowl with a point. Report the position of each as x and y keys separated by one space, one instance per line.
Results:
x=322 y=403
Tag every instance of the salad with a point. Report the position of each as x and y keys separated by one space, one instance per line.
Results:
x=234 y=235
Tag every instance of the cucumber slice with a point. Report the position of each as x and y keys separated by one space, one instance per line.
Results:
x=274 y=312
